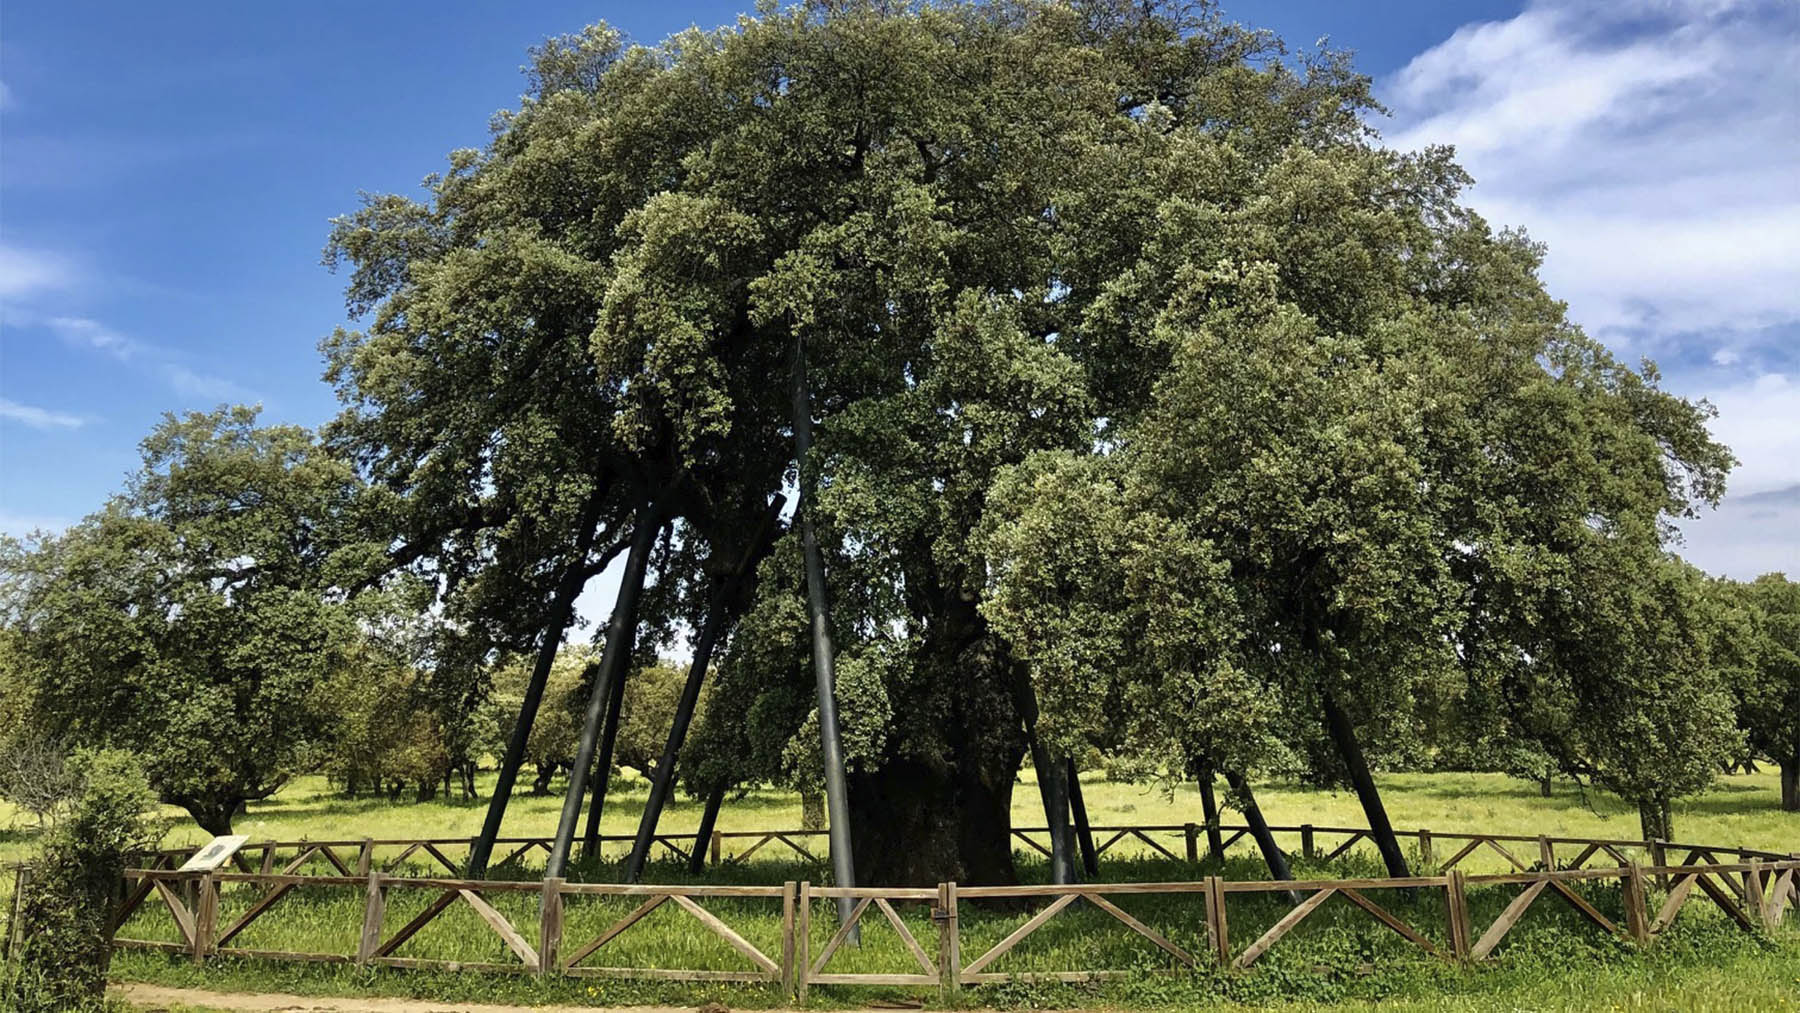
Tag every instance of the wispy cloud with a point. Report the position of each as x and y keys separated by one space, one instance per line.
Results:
x=38 y=418
x=83 y=332
x=27 y=272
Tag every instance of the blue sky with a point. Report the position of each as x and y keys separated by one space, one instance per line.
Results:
x=167 y=172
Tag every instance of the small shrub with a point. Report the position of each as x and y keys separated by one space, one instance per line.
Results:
x=72 y=886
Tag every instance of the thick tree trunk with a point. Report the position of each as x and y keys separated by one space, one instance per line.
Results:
x=214 y=815
x=1790 y=783
x=562 y=610
x=1380 y=830
x=920 y=825
x=1273 y=856
x=1544 y=786
x=1084 y=831
x=609 y=740
x=1656 y=820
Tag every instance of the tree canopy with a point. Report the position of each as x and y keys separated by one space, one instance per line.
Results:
x=1159 y=406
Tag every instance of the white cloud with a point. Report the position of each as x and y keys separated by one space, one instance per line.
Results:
x=38 y=418
x=27 y=272
x=1655 y=147
x=202 y=385
x=1759 y=420
x=83 y=332
x=93 y=334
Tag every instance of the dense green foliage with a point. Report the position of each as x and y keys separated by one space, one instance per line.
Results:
x=64 y=937
x=193 y=619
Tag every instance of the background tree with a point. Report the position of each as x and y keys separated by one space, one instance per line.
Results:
x=194 y=619
x=1632 y=685
x=1768 y=693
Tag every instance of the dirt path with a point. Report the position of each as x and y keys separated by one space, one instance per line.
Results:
x=156 y=997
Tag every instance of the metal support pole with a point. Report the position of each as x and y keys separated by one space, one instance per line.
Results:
x=837 y=801
x=1084 y=832
x=612 y=666
x=562 y=609
x=717 y=619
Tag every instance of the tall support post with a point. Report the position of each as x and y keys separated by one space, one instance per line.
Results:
x=603 y=764
x=709 y=818
x=717 y=620
x=1381 y=830
x=562 y=609
x=1084 y=831
x=1053 y=786
x=837 y=800
x=1259 y=829
x=1209 y=807
x=612 y=666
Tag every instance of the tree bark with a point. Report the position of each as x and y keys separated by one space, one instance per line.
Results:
x=920 y=824
x=1380 y=830
x=613 y=659
x=1790 y=783
x=562 y=609
x=1656 y=820
x=1084 y=832
x=812 y=809
x=603 y=765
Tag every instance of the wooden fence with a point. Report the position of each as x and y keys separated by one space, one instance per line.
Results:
x=528 y=922
x=1172 y=841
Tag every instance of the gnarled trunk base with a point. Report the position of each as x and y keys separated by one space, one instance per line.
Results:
x=917 y=825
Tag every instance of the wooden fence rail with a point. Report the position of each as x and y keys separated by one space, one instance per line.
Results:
x=1172 y=841
x=529 y=929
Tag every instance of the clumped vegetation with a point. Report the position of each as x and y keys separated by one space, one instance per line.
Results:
x=63 y=936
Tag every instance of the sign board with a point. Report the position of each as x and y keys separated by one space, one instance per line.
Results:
x=215 y=854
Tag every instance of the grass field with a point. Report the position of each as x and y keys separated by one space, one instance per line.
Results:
x=1551 y=961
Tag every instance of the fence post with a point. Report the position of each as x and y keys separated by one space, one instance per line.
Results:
x=1659 y=857
x=1753 y=894
x=803 y=944
x=268 y=858
x=1546 y=853
x=1306 y=841
x=374 y=909
x=1193 y=842
x=1456 y=908
x=1216 y=929
x=365 y=857
x=1425 y=858
x=9 y=942
x=206 y=916
x=788 y=891
x=949 y=945
x=1637 y=912
x=717 y=846
x=550 y=927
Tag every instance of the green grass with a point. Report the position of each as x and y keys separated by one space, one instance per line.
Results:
x=1552 y=960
